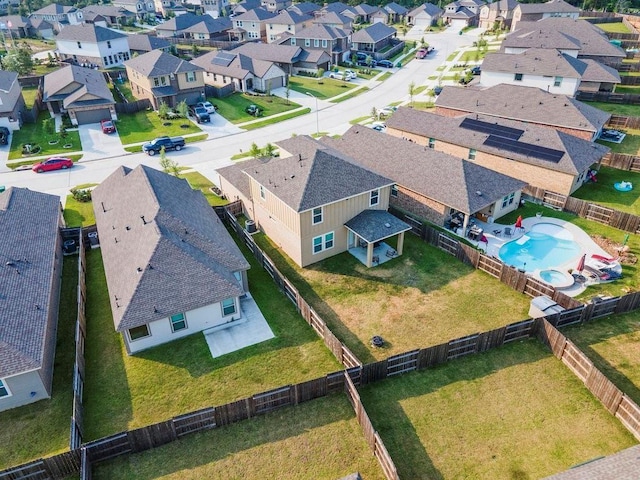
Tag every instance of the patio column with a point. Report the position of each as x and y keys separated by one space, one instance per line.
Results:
x=369 y=254
x=465 y=224
x=400 y=243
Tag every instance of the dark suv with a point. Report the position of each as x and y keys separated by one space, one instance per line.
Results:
x=201 y=115
x=4 y=135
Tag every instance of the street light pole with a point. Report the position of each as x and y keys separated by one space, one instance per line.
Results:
x=317 y=115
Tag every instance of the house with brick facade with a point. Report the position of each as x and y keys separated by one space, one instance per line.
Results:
x=499 y=13
x=542 y=157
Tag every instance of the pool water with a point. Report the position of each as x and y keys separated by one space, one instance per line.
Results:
x=545 y=245
x=552 y=276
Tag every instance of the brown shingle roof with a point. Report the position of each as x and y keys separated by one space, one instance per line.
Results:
x=535 y=61
x=157 y=62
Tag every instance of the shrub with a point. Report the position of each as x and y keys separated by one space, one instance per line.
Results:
x=81 y=194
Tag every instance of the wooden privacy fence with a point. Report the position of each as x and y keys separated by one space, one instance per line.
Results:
x=133 y=107
x=345 y=356
x=77 y=424
x=622 y=161
x=623 y=121
x=609 y=97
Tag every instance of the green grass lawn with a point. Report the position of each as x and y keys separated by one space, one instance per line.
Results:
x=44 y=68
x=473 y=56
x=515 y=412
x=613 y=345
x=125 y=89
x=79 y=214
x=147 y=125
x=33 y=133
x=15 y=164
x=272 y=120
x=233 y=107
x=603 y=193
x=618 y=109
x=320 y=439
x=202 y=183
x=30 y=94
x=322 y=89
x=631 y=273
x=614 y=27
x=632 y=89
x=124 y=392
x=630 y=144
x=423 y=298
x=42 y=428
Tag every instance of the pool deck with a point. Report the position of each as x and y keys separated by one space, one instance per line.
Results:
x=496 y=241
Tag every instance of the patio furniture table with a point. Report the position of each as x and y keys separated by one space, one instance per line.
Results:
x=497 y=232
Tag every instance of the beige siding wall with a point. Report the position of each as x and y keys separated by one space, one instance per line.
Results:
x=233 y=194
x=184 y=85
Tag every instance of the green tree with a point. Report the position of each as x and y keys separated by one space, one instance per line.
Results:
x=183 y=109
x=163 y=110
x=194 y=50
x=255 y=151
x=168 y=166
x=412 y=91
x=320 y=73
x=18 y=59
x=62 y=131
x=374 y=113
x=369 y=61
x=354 y=58
x=287 y=92
x=269 y=150
x=49 y=126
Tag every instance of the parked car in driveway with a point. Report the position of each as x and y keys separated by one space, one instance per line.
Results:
x=169 y=143
x=421 y=53
x=385 y=64
x=208 y=106
x=339 y=76
x=200 y=114
x=476 y=70
x=387 y=111
x=4 y=135
x=53 y=163
x=350 y=74
x=107 y=126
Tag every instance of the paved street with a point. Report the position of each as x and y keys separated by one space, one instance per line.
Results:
x=214 y=153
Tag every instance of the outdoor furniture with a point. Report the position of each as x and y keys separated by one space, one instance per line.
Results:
x=375 y=259
x=497 y=232
x=391 y=253
x=507 y=232
x=475 y=233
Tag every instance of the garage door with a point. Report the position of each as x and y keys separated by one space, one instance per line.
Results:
x=92 y=116
x=422 y=22
x=458 y=24
x=276 y=82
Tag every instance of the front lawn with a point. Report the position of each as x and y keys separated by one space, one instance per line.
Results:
x=515 y=412
x=42 y=428
x=603 y=193
x=202 y=183
x=423 y=298
x=79 y=214
x=321 y=88
x=33 y=133
x=613 y=345
x=146 y=125
x=320 y=439
x=233 y=107
x=124 y=392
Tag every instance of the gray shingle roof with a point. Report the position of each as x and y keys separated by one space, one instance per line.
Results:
x=526 y=104
x=578 y=155
x=157 y=62
x=365 y=9
x=373 y=33
x=54 y=9
x=307 y=181
x=333 y=18
x=106 y=10
x=29 y=222
x=257 y=14
x=304 y=7
x=429 y=8
x=597 y=72
x=7 y=79
x=88 y=32
x=396 y=8
x=444 y=178
x=338 y=7
x=235 y=175
x=623 y=465
x=535 y=61
x=376 y=225
x=87 y=80
x=290 y=17
x=322 y=32
x=235 y=65
x=17 y=21
x=210 y=25
x=552 y=6
x=180 y=22
x=270 y=52
x=185 y=256
x=145 y=43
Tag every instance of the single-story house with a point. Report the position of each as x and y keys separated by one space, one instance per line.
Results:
x=542 y=157
x=81 y=92
x=209 y=28
x=304 y=8
x=142 y=43
x=30 y=272
x=292 y=59
x=378 y=40
x=172 y=269
x=396 y=13
x=15 y=26
x=432 y=185
x=424 y=15
x=11 y=100
x=107 y=15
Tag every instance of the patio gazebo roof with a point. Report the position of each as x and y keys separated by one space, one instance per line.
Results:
x=375 y=225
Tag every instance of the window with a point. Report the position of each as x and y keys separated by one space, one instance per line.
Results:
x=104 y=58
x=262 y=195
x=317 y=215
x=394 y=191
x=518 y=77
x=190 y=76
x=178 y=322
x=317 y=244
x=293 y=41
x=79 y=45
x=557 y=81
x=240 y=23
x=228 y=307
x=472 y=154
x=126 y=55
x=4 y=390
x=156 y=82
x=508 y=200
x=163 y=80
x=108 y=43
x=271 y=26
x=324 y=44
x=136 y=333
x=322 y=242
x=316 y=42
x=432 y=143
x=328 y=241
x=307 y=42
x=374 y=198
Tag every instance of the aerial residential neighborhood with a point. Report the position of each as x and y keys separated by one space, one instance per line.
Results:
x=360 y=240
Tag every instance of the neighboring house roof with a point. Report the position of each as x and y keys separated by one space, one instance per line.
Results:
x=503 y=5
x=257 y=14
x=623 y=465
x=314 y=56
x=88 y=32
x=548 y=33
x=332 y=18
x=304 y=7
x=322 y=32
x=365 y=9
x=309 y=180
x=441 y=177
x=535 y=61
x=235 y=65
x=7 y=80
x=157 y=62
x=290 y=17
x=235 y=175
x=429 y=8
x=246 y=5
x=164 y=249
x=526 y=104
x=461 y=13
x=106 y=11
x=339 y=7
x=574 y=154
x=210 y=25
x=395 y=8
x=88 y=82
x=41 y=24
x=552 y=6
x=17 y=21
x=145 y=43
x=30 y=223
x=270 y=51
x=597 y=72
x=54 y=9
x=373 y=33
x=180 y=22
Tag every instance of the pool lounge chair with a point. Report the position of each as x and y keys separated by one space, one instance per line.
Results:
x=603 y=275
x=605 y=260
x=507 y=232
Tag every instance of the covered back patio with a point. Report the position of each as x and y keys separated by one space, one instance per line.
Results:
x=368 y=229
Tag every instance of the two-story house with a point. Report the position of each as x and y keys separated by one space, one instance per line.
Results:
x=364 y=12
x=58 y=15
x=216 y=8
x=462 y=13
x=497 y=14
x=291 y=59
x=378 y=40
x=425 y=15
x=251 y=25
x=143 y=9
x=532 y=12
x=164 y=78
x=287 y=21
x=334 y=41
x=91 y=44
x=314 y=202
x=276 y=6
x=333 y=19
x=171 y=267
x=11 y=101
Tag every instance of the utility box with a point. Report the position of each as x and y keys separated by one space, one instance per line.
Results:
x=543 y=306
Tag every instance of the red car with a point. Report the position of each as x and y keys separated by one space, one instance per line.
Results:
x=107 y=126
x=421 y=53
x=53 y=163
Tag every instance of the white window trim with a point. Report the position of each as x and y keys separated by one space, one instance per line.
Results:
x=184 y=319
x=376 y=196
x=313 y=220
x=262 y=194
x=141 y=338
x=4 y=385
x=323 y=242
x=235 y=307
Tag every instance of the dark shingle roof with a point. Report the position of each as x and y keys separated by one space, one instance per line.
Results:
x=180 y=22
x=157 y=62
x=623 y=465
x=535 y=61
x=145 y=43
x=106 y=10
x=256 y=14
x=376 y=225
x=88 y=32
x=290 y=17
x=396 y=8
x=177 y=258
x=232 y=65
x=29 y=222
x=304 y=7
x=526 y=104
x=320 y=31
x=365 y=9
x=54 y=9
x=332 y=18
x=235 y=175
x=373 y=33
x=552 y=6
x=17 y=21
x=270 y=52
x=597 y=72
x=210 y=25
x=444 y=178
x=7 y=79
x=578 y=154
x=429 y=8
x=87 y=80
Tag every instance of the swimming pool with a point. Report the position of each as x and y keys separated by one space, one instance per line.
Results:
x=545 y=245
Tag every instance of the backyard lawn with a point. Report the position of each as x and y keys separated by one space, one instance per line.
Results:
x=42 y=428
x=630 y=144
x=33 y=133
x=613 y=27
x=613 y=345
x=147 y=125
x=627 y=110
x=603 y=193
x=79 y=214
x=321 y=88
x=632 y=89
x=123 y=392
x=125 y=89
x=232 y=108
x=515 y=412
x=30 y=94
x=423 y=298
x=202 y=183
x=320 y=439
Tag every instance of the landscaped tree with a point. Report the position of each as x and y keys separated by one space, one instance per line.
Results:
x=49 y=126
x=255 y=151
x=168 y=166
x=404 y=29
x=269 y=150
x=163 y=110
x=194 y=50
x=374 y=113
x=62 y=131
x=369 y=60
x=183 y=109
x=320 y=74
x=287 y=92
x=412 y=91
x=18 y=59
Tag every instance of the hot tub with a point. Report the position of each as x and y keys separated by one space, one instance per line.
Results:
x=555 y=278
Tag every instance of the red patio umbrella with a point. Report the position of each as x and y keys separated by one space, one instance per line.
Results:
x=519 y=222
x=580 y=266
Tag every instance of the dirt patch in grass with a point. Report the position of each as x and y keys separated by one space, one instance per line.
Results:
x=615 y=249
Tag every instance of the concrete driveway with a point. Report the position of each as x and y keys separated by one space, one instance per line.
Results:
x=218 y=127
x=96 y=144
